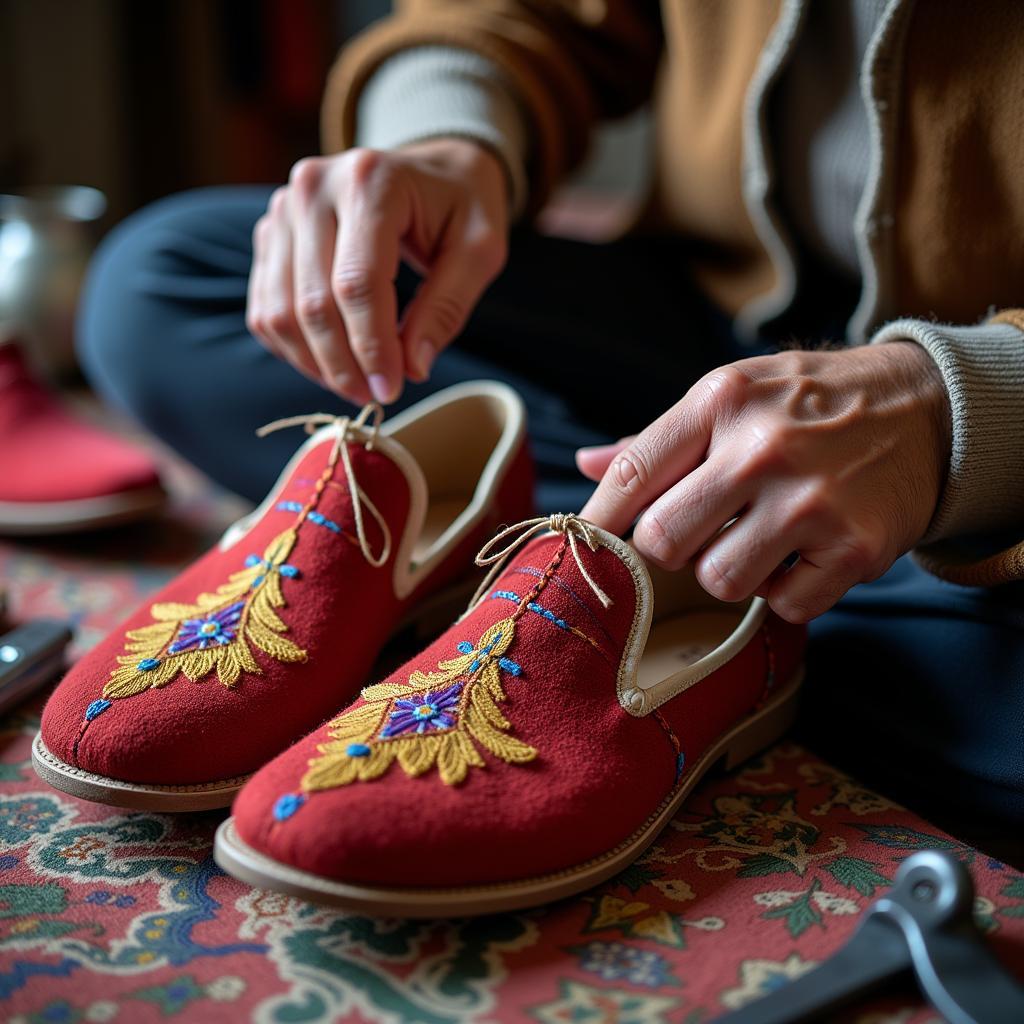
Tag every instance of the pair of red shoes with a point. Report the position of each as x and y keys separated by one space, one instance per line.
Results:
x=533 y=749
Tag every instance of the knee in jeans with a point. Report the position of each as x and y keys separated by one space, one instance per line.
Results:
x=134 y=323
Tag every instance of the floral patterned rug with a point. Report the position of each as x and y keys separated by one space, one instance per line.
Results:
x=106 y=915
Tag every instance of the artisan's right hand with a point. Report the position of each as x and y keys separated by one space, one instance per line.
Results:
x=326 y=253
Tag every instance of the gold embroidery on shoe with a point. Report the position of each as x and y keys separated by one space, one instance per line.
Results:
x=437 y=719
x=215 y=632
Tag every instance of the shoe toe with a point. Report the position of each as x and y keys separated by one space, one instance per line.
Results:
x=148 y=740
x=501 y=823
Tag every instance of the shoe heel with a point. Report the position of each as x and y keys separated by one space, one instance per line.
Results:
x=766 y=727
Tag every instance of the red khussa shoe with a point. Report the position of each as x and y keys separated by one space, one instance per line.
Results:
x=533 y=750
x=267 y=634
x=59 y=474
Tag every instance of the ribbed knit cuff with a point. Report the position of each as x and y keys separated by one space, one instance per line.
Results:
x=983 y=368
x=434 y=91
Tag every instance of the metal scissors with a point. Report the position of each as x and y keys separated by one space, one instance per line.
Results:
x=923 y=925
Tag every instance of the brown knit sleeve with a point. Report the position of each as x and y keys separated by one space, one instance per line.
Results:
x=948 y=561
x=570 y=62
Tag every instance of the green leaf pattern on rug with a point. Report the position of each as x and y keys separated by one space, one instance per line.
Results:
x=1014 y=890
x=855 y=873
x=800 y=914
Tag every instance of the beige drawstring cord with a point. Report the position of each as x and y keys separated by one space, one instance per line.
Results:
x=567 y=523
x=348 y=430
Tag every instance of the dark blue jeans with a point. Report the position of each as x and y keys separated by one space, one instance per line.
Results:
x=914 y=685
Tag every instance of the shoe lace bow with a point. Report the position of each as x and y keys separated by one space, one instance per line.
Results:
x=359 y=429
x=571 y=525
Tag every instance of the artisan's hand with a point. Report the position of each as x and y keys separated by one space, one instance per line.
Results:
x=321 y=291
x=838 y=456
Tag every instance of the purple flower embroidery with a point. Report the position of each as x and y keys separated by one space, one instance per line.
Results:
x=432 y=712
x=217 y=628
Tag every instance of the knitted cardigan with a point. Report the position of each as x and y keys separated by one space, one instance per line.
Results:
x=940 y=230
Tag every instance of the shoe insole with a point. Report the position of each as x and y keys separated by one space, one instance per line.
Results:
x=441 y=513
x=682 y=640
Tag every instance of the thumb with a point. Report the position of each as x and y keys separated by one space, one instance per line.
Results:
x=593 y=461
x=444 y=300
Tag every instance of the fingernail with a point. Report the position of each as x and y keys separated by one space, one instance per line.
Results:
x=425 y=357
x=380 y=387
x=595 y=449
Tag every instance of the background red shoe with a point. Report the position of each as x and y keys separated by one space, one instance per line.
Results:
x=269 y=632
x=533 y=750
x=58 y=473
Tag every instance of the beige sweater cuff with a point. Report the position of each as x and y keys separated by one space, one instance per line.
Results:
x=983 y=368
x=434 y=91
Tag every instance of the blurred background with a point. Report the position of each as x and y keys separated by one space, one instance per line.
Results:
x=105 y=106
x=138 y=101
x=134 y=100
x=143 y=99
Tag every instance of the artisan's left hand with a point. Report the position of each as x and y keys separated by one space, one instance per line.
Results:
x=838 y=456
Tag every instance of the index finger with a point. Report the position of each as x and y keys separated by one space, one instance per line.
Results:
x=366 y=261
x=658 y=457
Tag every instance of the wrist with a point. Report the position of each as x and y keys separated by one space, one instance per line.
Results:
x=924 y=378
x=468 y=160
x=912 y=371
x=459 y=153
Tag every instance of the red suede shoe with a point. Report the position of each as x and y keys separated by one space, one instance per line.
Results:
x=268 y=633
x=59 y=474
x=533 y=750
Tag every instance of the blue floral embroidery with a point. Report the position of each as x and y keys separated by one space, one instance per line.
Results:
x=148 y=664
x=268 y=566
x=431 y=713
x=465 y=647
x=218 y=627
x=321 y=520
x=537 y=609
x=313 y=516
x=357 y=750
x=547 y=613
x=97 y=707
x=287 y=805
x=530 y=570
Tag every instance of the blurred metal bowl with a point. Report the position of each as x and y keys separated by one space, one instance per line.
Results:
x=47 y=235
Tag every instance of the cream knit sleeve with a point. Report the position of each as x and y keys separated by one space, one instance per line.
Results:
x=434 y=91
x=983 y=369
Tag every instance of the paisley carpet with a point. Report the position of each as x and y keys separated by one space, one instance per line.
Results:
x=107 y=916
